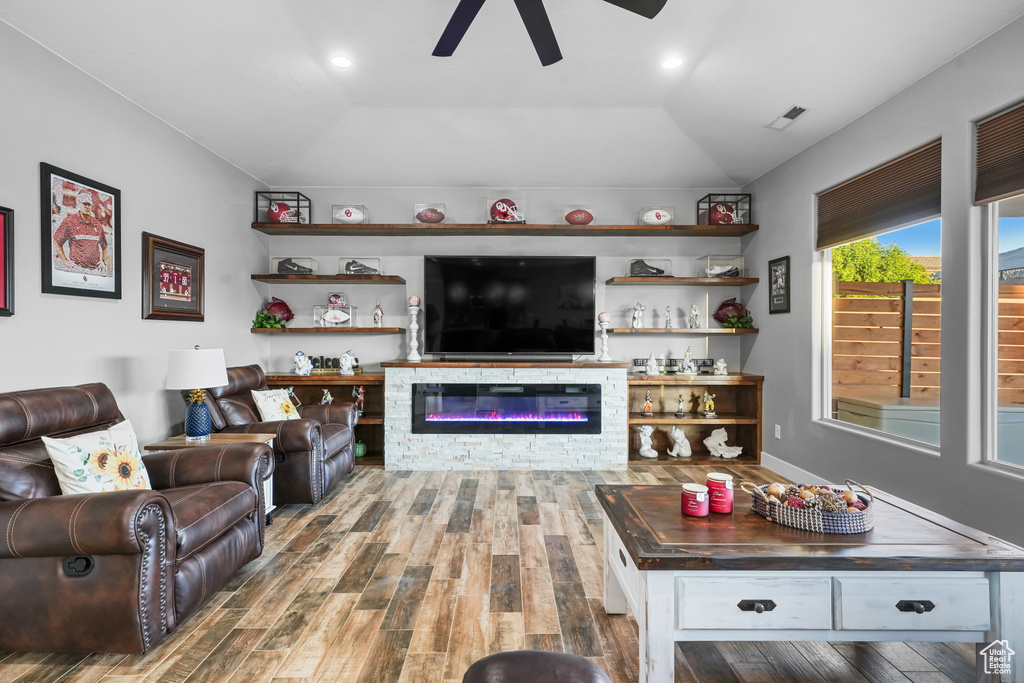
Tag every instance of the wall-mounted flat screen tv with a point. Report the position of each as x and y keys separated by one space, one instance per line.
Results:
x=508 y=305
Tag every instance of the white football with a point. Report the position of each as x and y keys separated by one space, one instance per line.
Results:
x=349 y=214
x=657 y=217
x=334 y=317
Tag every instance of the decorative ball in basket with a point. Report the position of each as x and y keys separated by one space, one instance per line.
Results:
x=823 y=509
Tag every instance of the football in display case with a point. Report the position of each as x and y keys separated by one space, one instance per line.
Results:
x=578 y=215
x=350 y=213
x=656 y=215
x=720 y=265
x=293 y=265
x=282 y=207
x=334 y=316
x=428 y=213
x=724 y=209
x=348 y=265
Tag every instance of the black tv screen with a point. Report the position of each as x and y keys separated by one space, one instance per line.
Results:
x=509 y=304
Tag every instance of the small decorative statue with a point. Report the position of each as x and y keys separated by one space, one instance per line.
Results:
x=716 y=445
x=292 y=397
x=680 y=444
x=302 y=365
x=360 y=395
x=720 y=367
x=346 y=363
x=680 y=412
x=378 y=315
x=652 y=366
x=327 y=398
x=668 y=317
x=686 y=366
x=648 y=405
x=693 y=322
x=646 y=448
x=709 y=404
x=638 y=316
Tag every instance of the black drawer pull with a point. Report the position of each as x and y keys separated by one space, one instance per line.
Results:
x=758 y=606
x=622 y=557
x=919 y=606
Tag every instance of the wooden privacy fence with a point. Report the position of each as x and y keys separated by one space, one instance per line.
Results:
x=870 y=344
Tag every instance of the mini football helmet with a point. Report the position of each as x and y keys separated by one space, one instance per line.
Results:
x=506 y=211
x=281 y=212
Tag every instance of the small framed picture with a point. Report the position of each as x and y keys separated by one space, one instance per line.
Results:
x=778 y=294
x=172 y=279
x=81 y=235
x=6 y=261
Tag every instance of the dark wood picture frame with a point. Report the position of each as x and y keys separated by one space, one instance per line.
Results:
x=74 y=271
x=778 y=285
x=173 y=279
x=6 y=261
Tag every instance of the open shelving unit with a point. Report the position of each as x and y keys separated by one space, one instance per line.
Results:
x=700 y=281
x=327 y=330
x=289 y=279
x=684 y=330
x=476 y=229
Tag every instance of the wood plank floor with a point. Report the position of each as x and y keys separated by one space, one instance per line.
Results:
x=410 y=577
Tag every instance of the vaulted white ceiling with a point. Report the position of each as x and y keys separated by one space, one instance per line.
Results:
x=251 y=80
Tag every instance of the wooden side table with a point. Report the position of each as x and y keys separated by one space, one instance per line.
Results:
x=177 y=442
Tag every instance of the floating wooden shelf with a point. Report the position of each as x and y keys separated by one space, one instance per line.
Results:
x=328 y=330
x=680 y=379
x=691 y=419
x=699 y=459
x=456 y=229
x=683 y=330
x=326 y=379
x=705 y=281
x=276 y=279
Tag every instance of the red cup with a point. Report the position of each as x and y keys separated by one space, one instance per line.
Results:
x=720 y=492
x=695 y=500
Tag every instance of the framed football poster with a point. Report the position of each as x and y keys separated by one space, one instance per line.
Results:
x=172 y=279
x=81 y=235
x=6 y=261
x=778 y=294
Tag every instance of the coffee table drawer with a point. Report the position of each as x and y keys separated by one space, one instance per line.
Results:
x=742 y=603
x=911 y=604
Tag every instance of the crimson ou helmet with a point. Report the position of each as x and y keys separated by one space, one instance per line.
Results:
x=506 y=211
x=280 y=212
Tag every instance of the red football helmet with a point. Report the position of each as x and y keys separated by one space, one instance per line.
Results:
x=281 y=212
x=506 y=211
x=723 y=214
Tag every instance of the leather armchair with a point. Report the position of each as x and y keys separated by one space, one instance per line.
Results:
x=314 y=453
x=115 y=571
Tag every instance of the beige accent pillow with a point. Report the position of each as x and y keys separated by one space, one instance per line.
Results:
x=274 y=405
x=105 y=460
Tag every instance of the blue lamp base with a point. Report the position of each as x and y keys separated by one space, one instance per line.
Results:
x=197 y=422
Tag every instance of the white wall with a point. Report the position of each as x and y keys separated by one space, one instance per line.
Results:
x=404 y=256
x=169 y=186
x=983 y=80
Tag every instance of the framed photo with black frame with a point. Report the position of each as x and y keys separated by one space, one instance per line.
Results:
x=81 y=235
x=173 y=279
x=6 y=261
x=778 y=293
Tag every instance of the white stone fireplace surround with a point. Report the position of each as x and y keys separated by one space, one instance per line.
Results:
x=408 y=451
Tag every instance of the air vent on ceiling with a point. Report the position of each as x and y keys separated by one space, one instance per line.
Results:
x=782 y=122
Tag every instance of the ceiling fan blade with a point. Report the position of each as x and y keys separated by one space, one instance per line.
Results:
x=539 y=27
x=457 y=26
x=645 y=8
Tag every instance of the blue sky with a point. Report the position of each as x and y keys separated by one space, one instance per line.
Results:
x=924 y=239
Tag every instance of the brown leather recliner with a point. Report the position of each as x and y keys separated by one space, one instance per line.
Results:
x=313 y=453
x=115 y=571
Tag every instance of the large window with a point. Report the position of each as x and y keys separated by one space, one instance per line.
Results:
x=1008 y=332
x=886 y=332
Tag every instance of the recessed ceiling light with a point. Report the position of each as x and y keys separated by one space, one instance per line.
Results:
x=343 y=62
x=673 y=63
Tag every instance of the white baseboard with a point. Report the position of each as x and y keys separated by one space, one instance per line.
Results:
x=791 y=472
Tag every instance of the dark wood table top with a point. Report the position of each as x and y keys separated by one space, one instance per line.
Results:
x=905 y=537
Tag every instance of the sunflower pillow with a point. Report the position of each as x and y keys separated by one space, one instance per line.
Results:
x=107 y=460
x=275 y=405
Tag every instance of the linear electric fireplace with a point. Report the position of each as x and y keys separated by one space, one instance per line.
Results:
x=506 y=408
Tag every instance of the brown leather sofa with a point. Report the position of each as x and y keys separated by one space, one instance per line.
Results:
x=115 y=571
x=313 y=453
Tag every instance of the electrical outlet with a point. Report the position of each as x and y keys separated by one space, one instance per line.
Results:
x=778 y=432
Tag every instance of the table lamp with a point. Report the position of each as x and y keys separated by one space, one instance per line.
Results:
x=192 y=370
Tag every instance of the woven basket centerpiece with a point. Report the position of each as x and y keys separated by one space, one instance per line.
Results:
x=823 y=509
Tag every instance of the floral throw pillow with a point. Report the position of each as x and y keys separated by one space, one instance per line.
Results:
x=274 y=405
x=107 y=460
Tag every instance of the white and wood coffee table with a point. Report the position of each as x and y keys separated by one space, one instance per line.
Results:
x=916 y=576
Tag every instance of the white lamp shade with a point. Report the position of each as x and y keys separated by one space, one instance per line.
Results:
x=196 y=369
